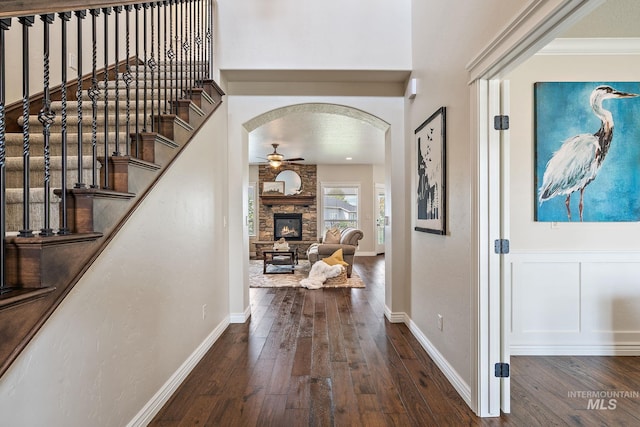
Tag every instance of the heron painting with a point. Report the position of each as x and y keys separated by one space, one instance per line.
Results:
x=587 y=143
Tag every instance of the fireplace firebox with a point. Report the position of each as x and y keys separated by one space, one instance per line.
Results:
x=287 y=225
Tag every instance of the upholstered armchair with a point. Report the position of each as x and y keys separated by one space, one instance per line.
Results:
x=348 y=242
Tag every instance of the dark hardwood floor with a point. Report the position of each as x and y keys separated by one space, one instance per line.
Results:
x=329 y=357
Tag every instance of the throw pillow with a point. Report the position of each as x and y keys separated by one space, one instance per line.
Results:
x=336 y=258
x=332 y=236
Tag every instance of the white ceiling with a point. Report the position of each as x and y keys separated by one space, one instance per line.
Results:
x=319 y=138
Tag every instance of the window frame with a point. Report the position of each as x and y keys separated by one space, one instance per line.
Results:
x=338 y=184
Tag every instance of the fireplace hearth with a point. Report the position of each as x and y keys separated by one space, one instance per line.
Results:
x=287 y=225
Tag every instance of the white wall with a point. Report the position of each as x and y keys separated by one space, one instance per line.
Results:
x=137 y=314
x=300 y=35
x=363 y=175
x=446 y=36
x=572 y=285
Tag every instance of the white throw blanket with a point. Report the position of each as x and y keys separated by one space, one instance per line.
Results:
x=319 y=273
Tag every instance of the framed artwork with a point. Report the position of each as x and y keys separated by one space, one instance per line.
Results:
x=273 y=188
x=430 y=174
x=587 y=169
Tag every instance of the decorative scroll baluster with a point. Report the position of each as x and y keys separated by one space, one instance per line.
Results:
x=105 y=167
x=152 y=65
x=128 y=77
x=144 y=43
x=117 y=9
x=94 y=93
x=64 y=229
x=46 y=117
x=137 y=106
x=185 y=48
x=80 y=15
x=5 y=23
x=26 y=21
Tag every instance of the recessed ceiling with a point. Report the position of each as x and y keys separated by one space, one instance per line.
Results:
x=318 y=137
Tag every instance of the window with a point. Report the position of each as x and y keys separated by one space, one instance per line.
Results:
x=251 y=215
x=340 y=205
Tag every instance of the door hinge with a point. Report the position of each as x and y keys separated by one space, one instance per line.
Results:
x=502 y=370
x=501 y=246
x=501 y=122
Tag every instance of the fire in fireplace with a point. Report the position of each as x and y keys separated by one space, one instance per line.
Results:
x=287 y=225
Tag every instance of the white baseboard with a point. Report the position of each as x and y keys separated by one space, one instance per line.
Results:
x=240 y=317
x=358 y=253
x=395 y=317
x=575 y=350
x=151 y=409
x=452 y=375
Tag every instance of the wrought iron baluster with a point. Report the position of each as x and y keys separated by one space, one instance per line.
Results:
x=5 y=24
x=152 y=65
x=191 y=47
x=80 y=15
x=94 y=93
x=128 y=78
x=64 y=229
x=185 y=49
x=117 y=10
x=179 y=46
x=166 y=94
x=105 y=167
x=27 y=22
x=172 y=55
x=144 y=38
x=199 y=43
x=46 y=117
x=137 y=106
x=209 y=50
x=159 y=4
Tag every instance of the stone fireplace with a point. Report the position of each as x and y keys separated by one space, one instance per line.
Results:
x=302 y=205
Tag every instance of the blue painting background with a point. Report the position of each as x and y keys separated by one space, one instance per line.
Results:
x=562 y=110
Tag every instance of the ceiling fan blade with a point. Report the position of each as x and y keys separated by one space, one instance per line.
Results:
x=297 y=159
x=295 y=164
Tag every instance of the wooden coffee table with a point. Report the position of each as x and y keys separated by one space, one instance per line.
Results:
x=286 y=259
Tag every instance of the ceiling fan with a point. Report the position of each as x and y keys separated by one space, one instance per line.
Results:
x=276 y=159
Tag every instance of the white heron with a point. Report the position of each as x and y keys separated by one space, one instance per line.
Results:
x=580 y=157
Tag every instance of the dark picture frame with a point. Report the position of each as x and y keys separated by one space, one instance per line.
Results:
x=430 y=177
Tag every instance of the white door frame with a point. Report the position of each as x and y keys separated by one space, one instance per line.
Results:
x=537 y=24
x=378 y=189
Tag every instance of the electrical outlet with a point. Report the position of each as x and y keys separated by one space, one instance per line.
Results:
x=440 y=321
x=204 y=311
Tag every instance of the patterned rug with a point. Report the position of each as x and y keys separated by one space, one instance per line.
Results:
x=259 y=280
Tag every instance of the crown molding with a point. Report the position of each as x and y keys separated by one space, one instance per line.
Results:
x=592 y=46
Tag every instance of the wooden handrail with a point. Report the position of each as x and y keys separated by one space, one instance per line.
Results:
x=14 y=8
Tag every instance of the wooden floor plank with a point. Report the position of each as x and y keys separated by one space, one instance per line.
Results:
x=330 y=358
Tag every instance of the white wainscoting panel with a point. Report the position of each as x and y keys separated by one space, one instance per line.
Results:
x=575 y=303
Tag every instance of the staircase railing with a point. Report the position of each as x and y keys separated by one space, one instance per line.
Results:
x=144 y=61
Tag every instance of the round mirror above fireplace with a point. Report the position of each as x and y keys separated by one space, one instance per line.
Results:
x=292 y=182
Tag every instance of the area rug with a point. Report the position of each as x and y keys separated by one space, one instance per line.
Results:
x=259 y=280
